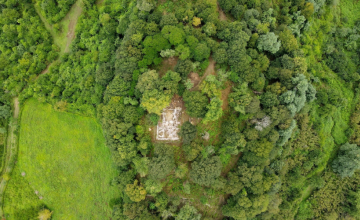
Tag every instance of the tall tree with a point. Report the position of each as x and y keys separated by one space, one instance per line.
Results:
x=188 y=212
x=195 y=103
x=214 y=110
x=135 y=192
x=187 y=132
x=269 y=42
x=206 y=170
x=347 y=161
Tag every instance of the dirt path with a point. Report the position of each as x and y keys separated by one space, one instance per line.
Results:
x=99 y=2
x=16 y=107
x=73 y=16
x=222 y=15
x=11 y=152
x=60 y=39
x=209 y=70
x=224 y=96
x=46 y=69
x=68 y=23
x=166 y=65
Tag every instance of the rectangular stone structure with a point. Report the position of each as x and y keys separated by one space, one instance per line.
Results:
x=169 y=124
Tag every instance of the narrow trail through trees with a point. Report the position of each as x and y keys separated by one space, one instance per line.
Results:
x=11 y=152
x=63 y=40
x=222 y=15
x=68 y=24
x=73 y=16
x=209 y=70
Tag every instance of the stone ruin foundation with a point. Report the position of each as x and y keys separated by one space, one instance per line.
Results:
x=169 y=124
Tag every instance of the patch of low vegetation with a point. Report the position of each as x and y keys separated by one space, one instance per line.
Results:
x=21 y=201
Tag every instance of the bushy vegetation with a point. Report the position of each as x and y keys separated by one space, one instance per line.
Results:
x=20 y=200
x=272 y=101
x=54 y=10
x=26 y=48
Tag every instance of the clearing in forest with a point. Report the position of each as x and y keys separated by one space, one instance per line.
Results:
x=171 y=119
x=170 y=122
x=63 y=163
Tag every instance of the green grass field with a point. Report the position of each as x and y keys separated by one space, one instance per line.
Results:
x=65 y=159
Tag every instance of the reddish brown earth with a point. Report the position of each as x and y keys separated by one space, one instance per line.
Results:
x=222 y=15
x=195 y=78
x=72 y=24
x=167 y=64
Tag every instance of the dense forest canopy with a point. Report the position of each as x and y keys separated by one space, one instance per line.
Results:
x=269 y=91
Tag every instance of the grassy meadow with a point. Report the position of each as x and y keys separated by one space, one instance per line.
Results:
x=63 y=164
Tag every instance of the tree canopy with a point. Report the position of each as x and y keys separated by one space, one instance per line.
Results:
x=347 y=161
x=270 y=90
x=206 y=170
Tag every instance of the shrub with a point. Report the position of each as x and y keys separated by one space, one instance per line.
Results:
x=153 y=118
x=269 y=42
x=187 y=132
x=206 y=171
x=135 y=192
x=195 y=103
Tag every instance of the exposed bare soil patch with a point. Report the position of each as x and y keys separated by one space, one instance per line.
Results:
x=72 y=24
x=222 y=15
x=16 y=107
x=210 y=69
x=161 y=2
x=195 y=78
x=167 y=64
